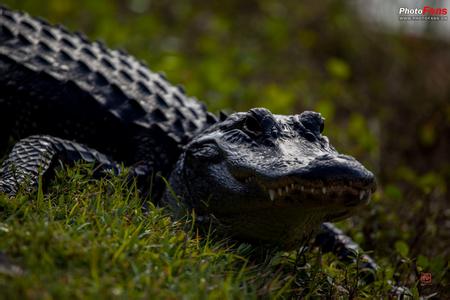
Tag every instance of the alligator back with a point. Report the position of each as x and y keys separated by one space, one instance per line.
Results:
x=58 y=83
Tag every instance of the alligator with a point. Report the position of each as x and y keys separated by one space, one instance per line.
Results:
x=261 y=177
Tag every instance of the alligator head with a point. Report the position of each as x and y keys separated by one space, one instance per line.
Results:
x=269 y=178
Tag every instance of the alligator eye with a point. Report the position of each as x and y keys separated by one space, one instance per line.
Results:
x=252 y=125
x=310 y=136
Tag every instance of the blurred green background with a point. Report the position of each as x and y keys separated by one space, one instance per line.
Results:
x=385 y=95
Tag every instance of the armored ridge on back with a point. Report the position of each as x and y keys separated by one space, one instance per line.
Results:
x=267 y=178
x=57 y=83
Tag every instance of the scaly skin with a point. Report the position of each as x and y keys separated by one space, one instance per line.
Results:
x=59 y=84
x=261 y=177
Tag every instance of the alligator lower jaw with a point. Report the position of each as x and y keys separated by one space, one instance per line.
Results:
x=284 y=227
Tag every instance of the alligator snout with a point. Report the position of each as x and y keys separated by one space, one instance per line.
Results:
x=339 y=169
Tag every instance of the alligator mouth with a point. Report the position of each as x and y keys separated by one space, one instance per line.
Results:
x=354 y=192
x=285 y=209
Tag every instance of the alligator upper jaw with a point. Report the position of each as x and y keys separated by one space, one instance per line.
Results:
x=331 y=181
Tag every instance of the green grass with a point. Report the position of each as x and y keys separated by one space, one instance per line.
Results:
x=88 y=238
x=383 y=104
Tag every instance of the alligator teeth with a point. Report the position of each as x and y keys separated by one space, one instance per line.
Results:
x=286 y=190
x=361 y=195
x=272 y=195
